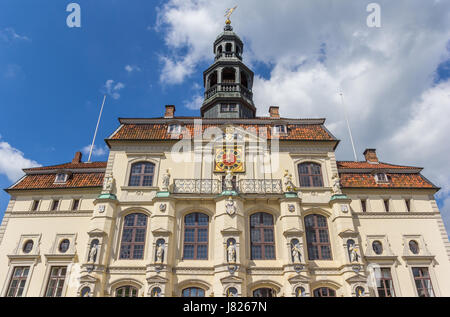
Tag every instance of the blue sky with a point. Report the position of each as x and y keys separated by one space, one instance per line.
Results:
x=395 y=78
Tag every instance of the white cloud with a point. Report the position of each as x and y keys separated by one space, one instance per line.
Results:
x=9 y=34
x=314 y=49
x=112 y=89
x=195 y=103
x=12 y=161
x=132 y=68
x=97 y=151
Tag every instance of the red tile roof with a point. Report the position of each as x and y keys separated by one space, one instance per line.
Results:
x=305 y=132
x=366 y=165
x=69 y=166
x=396 y=180
x=47 y=181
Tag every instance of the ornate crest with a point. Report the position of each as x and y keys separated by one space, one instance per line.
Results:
x=101 y=208
x=162 y=207
x=298 y=268
x=291 y=208
x=230 y=206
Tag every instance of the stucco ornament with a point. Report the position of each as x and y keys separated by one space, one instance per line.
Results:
x=230 y=206
x=336 y=185
x=101 y=208
x=162 y=207
x=291 y=208
x=296 y=252
x=93 y=253
x=229 y=180
x=160 y=253
x=231 y=250
x=289 y=186
x=108 y=184
x=166 y=181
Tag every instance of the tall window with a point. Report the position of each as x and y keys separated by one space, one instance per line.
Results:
x=18 y=281
x=55 y=205
x=56 y=281
x=196 y=237
x=423 y=282
x=319 y=247
x=133 y=237
x=385 y=286
x=310 y=175
x=193 y=292
x=408 y=204
x=75 y=204
x=35 y=205
x=262 y=236
x=324 y=292
x=142 y=174
x=126 y=291
x=364 y=205
x=386 y=205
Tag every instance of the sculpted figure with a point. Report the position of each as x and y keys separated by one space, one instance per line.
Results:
x=160 y=253
x=353 y=252
x=108 y=184
x=289 y=186
x=93 y=253
x=296 y=253
x=166 y=181
x=231 y=252
x=336 y=184
x=229 y=180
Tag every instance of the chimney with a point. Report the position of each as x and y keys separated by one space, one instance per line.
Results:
x=170 y=111
x=77 y=158
x=371 y=155
x=274 y=112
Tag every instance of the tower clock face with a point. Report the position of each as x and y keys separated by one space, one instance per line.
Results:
x=229 y=159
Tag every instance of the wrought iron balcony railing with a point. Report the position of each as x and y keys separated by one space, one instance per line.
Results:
x=215 y=186
x=260 y=186
x=197 y=186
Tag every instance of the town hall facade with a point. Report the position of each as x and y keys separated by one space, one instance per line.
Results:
x=225 y=204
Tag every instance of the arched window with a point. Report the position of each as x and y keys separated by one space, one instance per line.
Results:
x=228 y=47
x=262 y=236
x=212 y=79
x=377 y=247
x=300 y=292
x=414 y=247
x=156 y=292
x=193 y=292
x=317 y=237
x=324 y=292
x=229 y=75
x=133 y=237
x=142 y=174
x=244 y=80
x=310 y=175
x=264 y=292
x=196 y=237
x=64 y=246
x=126 y=291
x=28 y=246
x=232 y=292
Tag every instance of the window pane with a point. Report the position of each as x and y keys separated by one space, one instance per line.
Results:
x=127 y=235
x=269 y=251
x=202 y=235
x=140 y=235
x=256 y=252
x=125 y=252
x=189 y=235
x=138 y=252
x=188 y=251
x=268 y=235
x=255 y=235
x=148 y=181
x=202 y=220
x=202 y=252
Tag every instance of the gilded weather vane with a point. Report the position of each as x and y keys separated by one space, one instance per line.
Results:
x=228 y=14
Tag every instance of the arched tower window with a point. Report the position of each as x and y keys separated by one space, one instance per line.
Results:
x=229 y=75
x=228 y=47
x=212 y=80
x=244 y=80
x=262 y=236
x=196 y=236
x=142 y=174
x=133 y=237
x=317 y=238
x=310 y=175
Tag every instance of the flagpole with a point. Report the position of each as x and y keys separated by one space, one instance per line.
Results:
x=348 y=126
x=96 y=129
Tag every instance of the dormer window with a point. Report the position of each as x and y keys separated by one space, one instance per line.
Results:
x=61 y=178
x=279 y=129
x=381 y=178
x=174 y=129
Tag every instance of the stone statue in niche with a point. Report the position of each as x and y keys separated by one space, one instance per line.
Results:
x=230 y=206
x=353 y=251
x=166 y=181
x=160 y=252
x=289 y=186
x=229 y=180
x=336 y=185
x=296 y=252
x=108 y=184
x=93 y=253
x=231 y=250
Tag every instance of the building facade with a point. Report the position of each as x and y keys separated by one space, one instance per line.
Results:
x=225 y=204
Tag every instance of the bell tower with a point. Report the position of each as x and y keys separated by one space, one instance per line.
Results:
x=228 y=82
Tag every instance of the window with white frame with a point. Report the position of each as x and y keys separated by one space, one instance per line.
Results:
x=18 y=281
x=381 y=178
x=279 y=129
x=61 y=178
x=174 y=129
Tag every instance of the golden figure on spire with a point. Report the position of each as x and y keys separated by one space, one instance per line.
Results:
x=228 y=14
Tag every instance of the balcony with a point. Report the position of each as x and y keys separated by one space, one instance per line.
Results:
x=222 y=88
x=214 y=186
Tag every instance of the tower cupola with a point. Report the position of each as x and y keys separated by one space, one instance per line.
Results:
x=228 y=81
